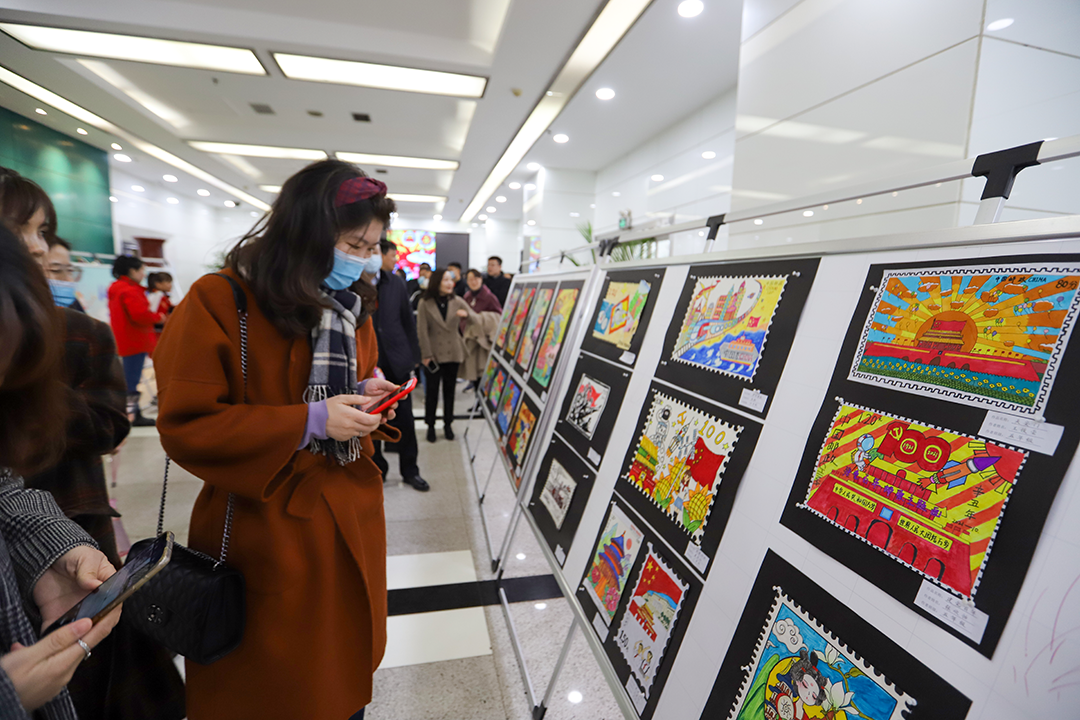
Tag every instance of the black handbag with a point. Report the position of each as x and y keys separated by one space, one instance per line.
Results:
x=195 y=605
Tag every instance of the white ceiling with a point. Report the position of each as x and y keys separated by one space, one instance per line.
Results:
x=665 y=67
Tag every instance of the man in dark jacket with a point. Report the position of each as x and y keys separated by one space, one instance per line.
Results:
x=399 y=354
x=495 y=280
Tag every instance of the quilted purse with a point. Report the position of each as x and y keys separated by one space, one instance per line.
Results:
x=195 y=605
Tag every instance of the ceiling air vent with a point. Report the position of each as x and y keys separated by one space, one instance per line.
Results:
x=361 y=117
x=262 y=108
x=381 y=171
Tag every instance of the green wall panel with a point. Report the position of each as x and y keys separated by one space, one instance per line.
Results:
x=75 y=174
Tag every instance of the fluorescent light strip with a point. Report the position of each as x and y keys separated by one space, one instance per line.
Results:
x=137 y=49
x=384 y=77
x=397 y=161
x=605 y=33
x=121 y=83
x=405 y=197
x=79 y=113
x=263 y=151
x=270 y=188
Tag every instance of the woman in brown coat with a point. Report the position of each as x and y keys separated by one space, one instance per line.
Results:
x=309 y=532
x=441 y=346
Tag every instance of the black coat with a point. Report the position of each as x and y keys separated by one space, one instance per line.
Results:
x=499 y=285
x=395 y=327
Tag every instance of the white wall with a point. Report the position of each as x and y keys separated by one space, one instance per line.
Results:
x=498 y=237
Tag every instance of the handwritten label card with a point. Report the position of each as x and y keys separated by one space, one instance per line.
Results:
x=695 y=555
x=635 y=694
x=952 y=611
x=560 y=554
x=753 y=399
x=599 y=626
x=595 y=457
x=1028 y=433
x=628 y=358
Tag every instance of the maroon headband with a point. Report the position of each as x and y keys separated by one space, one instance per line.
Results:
x=357 y=189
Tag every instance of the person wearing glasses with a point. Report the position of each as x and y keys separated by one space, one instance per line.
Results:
x=63 y=276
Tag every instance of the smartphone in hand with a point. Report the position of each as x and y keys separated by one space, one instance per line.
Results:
x=392 y=398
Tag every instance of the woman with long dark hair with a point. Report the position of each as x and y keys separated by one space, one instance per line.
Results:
x=292 y=445
x=441 y=346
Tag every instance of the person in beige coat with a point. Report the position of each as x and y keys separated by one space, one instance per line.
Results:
x=442 y=348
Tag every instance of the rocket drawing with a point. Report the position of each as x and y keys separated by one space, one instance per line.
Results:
x=955 y=474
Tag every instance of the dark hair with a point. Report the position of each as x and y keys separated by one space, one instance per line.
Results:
x=54 y=241
x=153 y=279
x=289 y=252
x=20 y=198
x=423 y=265
x=33 y=400
x=401 y=272
x=477 y=273
x=386 y=246
x=432 y=292
x=454 y=264
x=124 y=264
x=807 y=665
x=496 y=258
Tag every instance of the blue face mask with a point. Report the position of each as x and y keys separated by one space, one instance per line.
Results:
x=373 y=264
x=63 y=292
x=346 y=270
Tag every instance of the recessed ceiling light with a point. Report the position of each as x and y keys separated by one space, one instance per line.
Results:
x=824 y=207
x=500 y=199
x=708 y=154
x=81 y=131
x=476 y=224
x=39 y=111
x=204 y=192
x=169 y=178
x=172 y=201
x=436 y=217
x=533 y=166
x=270 y=188
x=397 y=161
x=481 y=217
x=264 y=151
x=859 y=201
x=491 y=208
x=137 y=49
x=575 y=214
x=112 y=198
x=116 y=146
x=999 y=24
x=561 y=138
x=808 y=213
x=691 y=8
x=120 y=157
x=701 y=233
x=616 y=194
x=253 y=214
x=657 y=178
x=230 y=204
x=406 y=197
x=575 y=697
x=530 y=186
x=138 y=188
x=386 y=77
x=759 y=221
x=531 y=223
x=592 y=206
x=514 y=186
x=605 y=93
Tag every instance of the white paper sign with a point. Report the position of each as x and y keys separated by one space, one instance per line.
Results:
x=600 y=627
x=635 y=694
x=560 y=554
x=753 y=399
x=628 y=357
x=595 y=457
x=952 y=611
x=543 y=397
x=695 y=555
x=1028 y=433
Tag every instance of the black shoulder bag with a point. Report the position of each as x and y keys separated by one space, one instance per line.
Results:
x=195 y=605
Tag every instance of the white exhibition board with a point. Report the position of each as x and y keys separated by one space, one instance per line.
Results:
x=1039 y=652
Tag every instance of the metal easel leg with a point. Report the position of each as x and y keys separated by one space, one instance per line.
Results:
x=539 y=710
x=515 y=518
x=516 y=644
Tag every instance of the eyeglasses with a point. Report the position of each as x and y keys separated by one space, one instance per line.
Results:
x=65 y=272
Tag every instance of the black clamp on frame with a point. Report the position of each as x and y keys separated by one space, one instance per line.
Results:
x=714 y=224
x=607 y=245
x=1001 y=168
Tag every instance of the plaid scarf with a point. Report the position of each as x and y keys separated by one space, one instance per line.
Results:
x=333 y=366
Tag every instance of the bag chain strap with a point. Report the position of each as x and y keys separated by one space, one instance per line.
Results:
x=232 y=498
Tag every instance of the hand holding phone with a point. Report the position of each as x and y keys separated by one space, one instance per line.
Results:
x=392 y=398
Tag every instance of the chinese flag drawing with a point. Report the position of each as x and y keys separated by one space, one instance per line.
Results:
x=705 y=464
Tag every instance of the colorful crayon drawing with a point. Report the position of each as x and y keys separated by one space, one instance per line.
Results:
x=489 y=376
x=553 y=335
x=928 y=497
x=801 y=670
x=507 y=406
x=517 y=326
x=679 y=461
x=498 y=382
x=992 y=336
x=650 y=618
x=524 y=424
x=534 y=325
x=414 y=248
x=507 y=316
x=587 y=405
x=557 y=493
x=620 y=312
x=613 y=557
x=727 y=322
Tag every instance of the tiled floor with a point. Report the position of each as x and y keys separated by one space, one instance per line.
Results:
x=455 y=664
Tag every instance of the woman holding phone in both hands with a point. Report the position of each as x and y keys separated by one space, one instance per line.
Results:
x=293 y=446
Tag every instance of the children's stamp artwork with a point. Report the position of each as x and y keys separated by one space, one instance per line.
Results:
x=991 y=336
x=558 y=492
x=517 y=326
x=679 y=461
x=928 y=497
x=498 y=382
x=534 y=325
x=587 y=405
x=727 y=322
x=613 y=558
x=523 y=427
x=650 y=618
x=620 y=312
x=801 y=670
x=557 y=324
x=507 y=316
x=507 y=406
x=489 y=376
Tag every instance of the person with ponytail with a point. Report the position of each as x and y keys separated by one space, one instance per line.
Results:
x=292 y=445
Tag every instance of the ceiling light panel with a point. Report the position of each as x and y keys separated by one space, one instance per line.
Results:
x=138 y=49
x=405 y=197
x=263 y=151
x=384 y=77
x=397 y=161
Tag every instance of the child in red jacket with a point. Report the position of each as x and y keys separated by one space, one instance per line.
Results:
x=133 y=325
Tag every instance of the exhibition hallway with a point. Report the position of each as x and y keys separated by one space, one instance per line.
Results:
x=448 y=652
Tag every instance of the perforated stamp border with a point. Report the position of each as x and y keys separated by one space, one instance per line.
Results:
x=764 y=340
x=960 y=396
x=736 y=430
x=651 y=282
x=993 y=536
x=573 y=424
x=602 y=611
x=905 y=703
